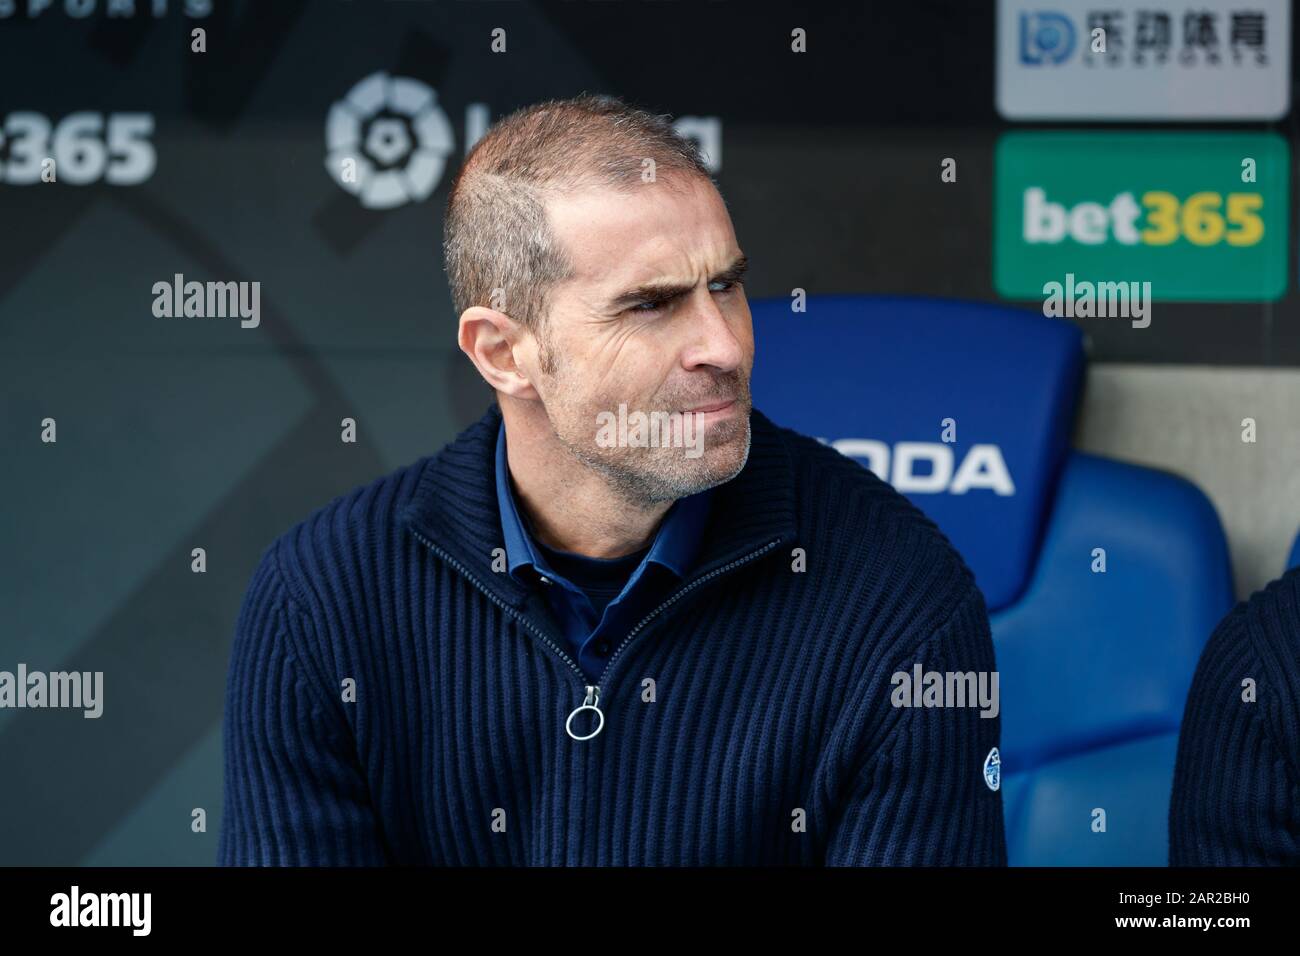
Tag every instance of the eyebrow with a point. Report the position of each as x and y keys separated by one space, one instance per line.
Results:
x=666 y=291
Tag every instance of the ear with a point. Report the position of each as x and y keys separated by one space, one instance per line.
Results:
x=490 y=339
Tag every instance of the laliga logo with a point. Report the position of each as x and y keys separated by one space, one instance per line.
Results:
x=387 y=141
x=983 y=466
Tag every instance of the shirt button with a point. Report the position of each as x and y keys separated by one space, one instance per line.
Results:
x=544 y=579
x=602 y=648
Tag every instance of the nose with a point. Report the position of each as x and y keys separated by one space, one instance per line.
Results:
x=714 y=341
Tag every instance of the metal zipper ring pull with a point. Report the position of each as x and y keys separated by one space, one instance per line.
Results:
x=592 y=699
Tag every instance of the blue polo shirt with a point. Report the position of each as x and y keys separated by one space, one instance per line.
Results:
x=596 y=601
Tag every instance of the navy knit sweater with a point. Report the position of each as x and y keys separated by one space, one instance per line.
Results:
x=1236 y=793
x=748 y=717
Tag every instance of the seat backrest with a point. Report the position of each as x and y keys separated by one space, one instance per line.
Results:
x=964 y=407
x=1096 y=660
x=1088 y=656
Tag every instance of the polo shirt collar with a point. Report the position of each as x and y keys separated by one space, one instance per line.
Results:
x=674 y=546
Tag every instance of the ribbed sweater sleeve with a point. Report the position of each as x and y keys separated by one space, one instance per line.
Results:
x=294 y=792
x=919 y=797
x=1235 y=798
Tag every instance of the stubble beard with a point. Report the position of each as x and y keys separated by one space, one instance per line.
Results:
x=644 y=477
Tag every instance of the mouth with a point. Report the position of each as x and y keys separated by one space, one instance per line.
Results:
x=711 y=407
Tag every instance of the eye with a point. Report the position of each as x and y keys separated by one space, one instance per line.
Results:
x=727 y=285
x=646 y=308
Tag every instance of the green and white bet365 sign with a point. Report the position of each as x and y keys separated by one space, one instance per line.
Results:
x=1201 y=216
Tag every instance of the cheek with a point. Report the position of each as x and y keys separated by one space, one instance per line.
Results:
x=744 y=328
x=631 y=367
x=746 y=336
x=746 y=340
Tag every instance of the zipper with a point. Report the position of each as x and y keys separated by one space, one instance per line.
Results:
x=505 y=607
x=676 y=595
x=591 y=692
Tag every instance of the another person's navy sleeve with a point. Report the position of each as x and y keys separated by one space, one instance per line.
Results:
x=920 y=796
x=295 y=794
x=1236 y=788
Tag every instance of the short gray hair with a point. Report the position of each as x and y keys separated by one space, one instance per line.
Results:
x=495 y=231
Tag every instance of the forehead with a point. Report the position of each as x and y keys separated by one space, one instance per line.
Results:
x=617 y=238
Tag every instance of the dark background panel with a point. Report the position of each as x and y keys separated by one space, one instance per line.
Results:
x=176 y=434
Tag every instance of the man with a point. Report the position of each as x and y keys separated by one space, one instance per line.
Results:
x=559 y=641
x=1237 y=775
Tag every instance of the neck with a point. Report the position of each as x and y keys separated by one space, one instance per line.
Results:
x=570 y=507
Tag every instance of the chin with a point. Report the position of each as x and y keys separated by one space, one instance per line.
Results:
x=722 y=460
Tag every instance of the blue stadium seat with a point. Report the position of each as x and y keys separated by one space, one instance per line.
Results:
x=968 y=409
x=1293 y=561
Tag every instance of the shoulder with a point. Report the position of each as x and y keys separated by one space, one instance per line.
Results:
x=1240 y=725
x=871 y=534
x=351 y=541
x=1271 y=617
x=343 y=539
x=1257 y=644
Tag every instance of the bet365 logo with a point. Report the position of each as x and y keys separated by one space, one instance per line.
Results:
x=79 y=149
x=1201 y=216
x=1161 y=218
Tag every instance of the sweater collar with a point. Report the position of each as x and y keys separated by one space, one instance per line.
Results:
x=673 y=547
x=455 y=505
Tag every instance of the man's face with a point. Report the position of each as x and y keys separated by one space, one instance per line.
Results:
x=653 y=319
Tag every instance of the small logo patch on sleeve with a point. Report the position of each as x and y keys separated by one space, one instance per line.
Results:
x=993 y=769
